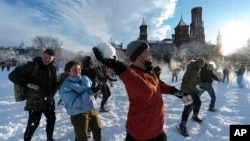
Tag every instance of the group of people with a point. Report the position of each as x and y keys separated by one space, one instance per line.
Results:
x=239 y=75
x=80 y=83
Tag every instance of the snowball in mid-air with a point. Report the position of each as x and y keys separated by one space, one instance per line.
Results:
x=107 y=50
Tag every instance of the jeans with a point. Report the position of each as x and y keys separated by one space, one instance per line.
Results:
x=225 y=76
x=209 y=88
x=240 y=81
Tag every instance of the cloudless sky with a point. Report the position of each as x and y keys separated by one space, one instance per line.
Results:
x=81 y=24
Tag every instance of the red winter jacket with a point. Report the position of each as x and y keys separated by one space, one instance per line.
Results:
x=145 y=117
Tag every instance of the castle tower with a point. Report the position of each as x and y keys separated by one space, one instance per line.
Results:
x=143 y=31
x=181 y=33
x=197 y=25
x=219 y=40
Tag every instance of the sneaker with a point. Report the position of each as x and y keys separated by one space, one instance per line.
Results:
x=197 y=119
x=212 y=110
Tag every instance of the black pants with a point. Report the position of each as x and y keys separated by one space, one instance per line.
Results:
x=195 y=107
x=34 y=120
x=105 y=94
x=161 y=137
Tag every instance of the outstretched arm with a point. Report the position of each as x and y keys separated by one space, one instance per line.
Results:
x=118 y=66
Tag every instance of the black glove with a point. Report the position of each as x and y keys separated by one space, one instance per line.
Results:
x=176 y=92
x=114 y=80
x=96 y=88
x=118 y=66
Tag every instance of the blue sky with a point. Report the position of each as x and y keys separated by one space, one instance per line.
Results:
x=81 y=24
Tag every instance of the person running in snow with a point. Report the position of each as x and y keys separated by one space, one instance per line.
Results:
x=207 y=76
x=77 y=93
x=40 y=92
x=190 y=80
x=145 y=119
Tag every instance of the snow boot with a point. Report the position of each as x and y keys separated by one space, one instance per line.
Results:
x=197 y=119
x=183 y=129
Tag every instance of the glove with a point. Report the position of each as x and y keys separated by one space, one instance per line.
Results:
x=116 y=65
x=176 y=92
x=95 y=88
x=114 y=80
x=187 y=99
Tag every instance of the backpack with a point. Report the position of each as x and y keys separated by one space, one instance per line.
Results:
x=19 y=91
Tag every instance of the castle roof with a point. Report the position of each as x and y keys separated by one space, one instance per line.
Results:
x=182 y=23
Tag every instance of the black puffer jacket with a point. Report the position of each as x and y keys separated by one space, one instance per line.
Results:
x=45 y=77
x=94 y=74
x=207 y=75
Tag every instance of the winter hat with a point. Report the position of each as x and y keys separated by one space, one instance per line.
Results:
x=135 y=48
x=200 y=61
x=87 y=62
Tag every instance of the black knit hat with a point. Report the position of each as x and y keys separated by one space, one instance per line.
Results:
x=135 y=48
x=200 y=61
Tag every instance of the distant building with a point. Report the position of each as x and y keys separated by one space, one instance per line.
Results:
x=182 y=38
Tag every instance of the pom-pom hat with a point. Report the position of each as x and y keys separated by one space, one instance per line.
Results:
x=135 y=49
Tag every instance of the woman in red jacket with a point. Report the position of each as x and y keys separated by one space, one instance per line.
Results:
x=145 y=117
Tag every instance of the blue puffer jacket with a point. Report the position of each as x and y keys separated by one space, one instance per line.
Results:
x=77 y=95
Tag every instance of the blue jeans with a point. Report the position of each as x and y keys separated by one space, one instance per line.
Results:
x=240 y=81
x=209 y=88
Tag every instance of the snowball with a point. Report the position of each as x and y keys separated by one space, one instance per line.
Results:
x=107 y=50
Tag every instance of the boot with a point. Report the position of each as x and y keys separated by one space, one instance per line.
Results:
x=183 y=129
x=212 y=110
x=197 y=119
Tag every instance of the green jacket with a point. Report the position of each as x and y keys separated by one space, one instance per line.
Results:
x=190 y=79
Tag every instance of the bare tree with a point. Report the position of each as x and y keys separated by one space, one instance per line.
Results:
x=46 y=42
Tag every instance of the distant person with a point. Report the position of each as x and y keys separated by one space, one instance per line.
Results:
x=89 y=69
x=175 y=73
x=3 y=66
x=207 y=77
x=106 y=93
x=240 y=74
x=8 y=67
x=98 y=75
x=225 y=74
x=145 y=119
x=40 y=92
x=77 y=92
x=190 y=81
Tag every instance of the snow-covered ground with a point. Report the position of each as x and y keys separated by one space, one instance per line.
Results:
x=232 y=104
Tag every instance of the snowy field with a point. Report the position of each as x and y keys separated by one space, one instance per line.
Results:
x=232 y=104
